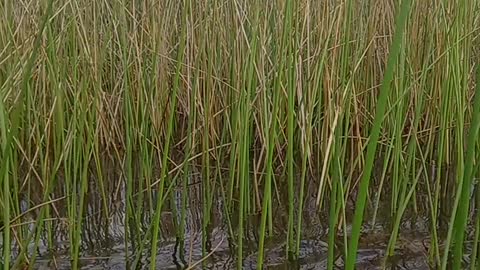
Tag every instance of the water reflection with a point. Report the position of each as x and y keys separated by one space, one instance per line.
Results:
x=109 y=243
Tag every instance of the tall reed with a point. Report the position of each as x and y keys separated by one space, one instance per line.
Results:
x=276 y=113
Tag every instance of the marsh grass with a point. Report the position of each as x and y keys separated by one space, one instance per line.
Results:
x=263 y=100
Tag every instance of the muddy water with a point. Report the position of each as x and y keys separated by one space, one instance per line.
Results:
x=411 y=254
x=103 y=245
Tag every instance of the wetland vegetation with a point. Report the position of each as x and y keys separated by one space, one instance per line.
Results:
x=218 y=134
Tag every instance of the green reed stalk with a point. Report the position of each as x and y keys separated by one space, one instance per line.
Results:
x=457 y=82
x=5 y=154
x=98 y=59
x=11 y=134
x=208 y=88
x=190 y=146
x=244 y=176
x=476 y=237
x=245 y=129
x=374 y=134
x=129 y=120
x=272 y=133
x=332 y=231
x=411 y=153
x=465 y=184
x=290 y=142
x=168 y=135
x=316 y=102
x=86 y=152
x=6 y=206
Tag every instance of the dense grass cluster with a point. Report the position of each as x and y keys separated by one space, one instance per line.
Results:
x=369 y=103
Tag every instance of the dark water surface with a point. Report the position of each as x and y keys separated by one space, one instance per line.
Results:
x=411 y=254
x=103 y=243
x=103 y=239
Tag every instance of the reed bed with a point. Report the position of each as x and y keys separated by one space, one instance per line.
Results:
x=369 y=106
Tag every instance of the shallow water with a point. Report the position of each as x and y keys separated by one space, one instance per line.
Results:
x=313 y=255
x=103 y=239
x=103 y=245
